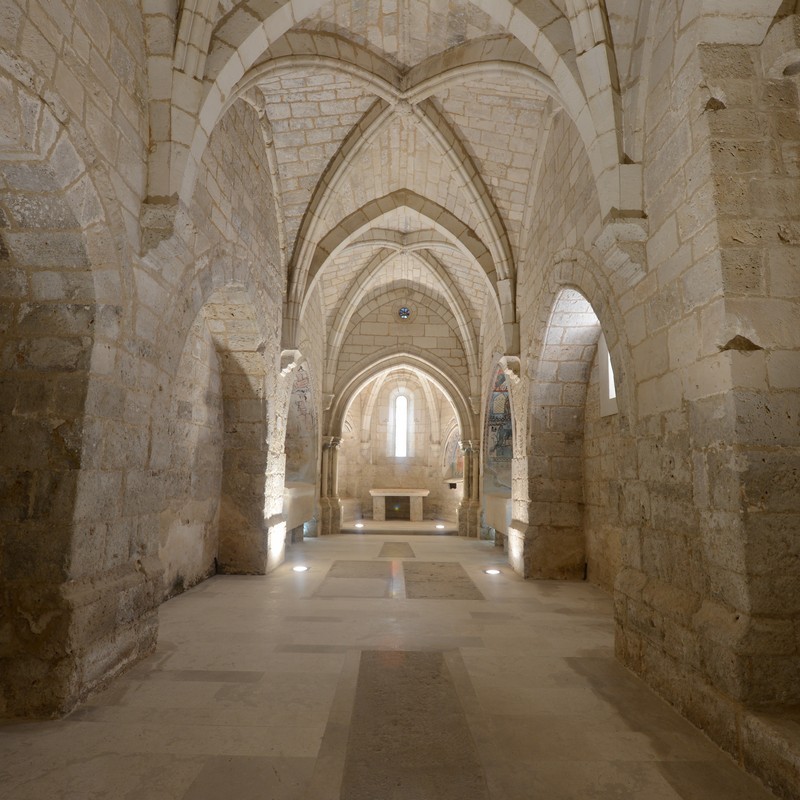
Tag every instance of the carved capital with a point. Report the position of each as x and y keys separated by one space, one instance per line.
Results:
x=290 y=360
x=621 y=245
x=512 y=367
x=157 y=222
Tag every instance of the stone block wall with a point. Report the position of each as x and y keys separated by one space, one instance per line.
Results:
x=377 y=327
x=72 y=158
x=603 y=484
x=188 y=541
x=558 y=331
x=112 y=328
x=754 y=144
x=706 y=598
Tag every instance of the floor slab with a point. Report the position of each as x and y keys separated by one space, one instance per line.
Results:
x=254 y=692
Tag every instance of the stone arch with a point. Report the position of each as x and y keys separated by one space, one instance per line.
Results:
x=368 y=458
x=65 y=304
x=246 y=39
x=215 y=364
x=437 y=372
x=451 y=297
x=573 y=312
x=558 y=398
x=421 y=297
x=235 y=330
x=441 y=220
x=439 y=131
x=575 y=269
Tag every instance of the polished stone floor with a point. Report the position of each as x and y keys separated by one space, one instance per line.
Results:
x=393 y=669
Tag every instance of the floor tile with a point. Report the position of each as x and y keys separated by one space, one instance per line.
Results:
x=252 y=692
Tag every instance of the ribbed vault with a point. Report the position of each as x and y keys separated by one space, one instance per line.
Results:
x=403 y=147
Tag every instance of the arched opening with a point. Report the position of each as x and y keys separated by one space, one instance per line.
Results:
x=213 y=517
x=401 y=425
x=574 y=478
x=401 y=428
x=392 y=438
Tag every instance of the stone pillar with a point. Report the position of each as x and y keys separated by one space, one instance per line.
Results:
x=707 y=602
x=330 y=507
x=468 y=511
x=252 y=474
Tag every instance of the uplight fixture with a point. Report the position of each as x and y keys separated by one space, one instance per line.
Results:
x=440 y=527
x=492 y=571
x=300 y=568
x=359 y=524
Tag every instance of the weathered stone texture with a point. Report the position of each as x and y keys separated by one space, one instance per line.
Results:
x=209 y=219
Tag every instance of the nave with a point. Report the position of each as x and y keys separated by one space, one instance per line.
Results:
x=395 y=667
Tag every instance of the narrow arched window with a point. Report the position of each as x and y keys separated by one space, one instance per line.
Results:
x=612 y=388
x=401 y=426
x=608 y=387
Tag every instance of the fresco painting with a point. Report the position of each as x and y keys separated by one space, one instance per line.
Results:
x=453 y=458
x=498 y=439
x=301 y=433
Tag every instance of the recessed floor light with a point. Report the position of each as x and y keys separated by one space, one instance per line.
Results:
x=300 y=568
x=359 y=524
x=492 y=571
x=440 y=527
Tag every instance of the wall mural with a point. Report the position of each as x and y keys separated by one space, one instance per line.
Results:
x=301 y=432
x=498 y=439
x=452 y=458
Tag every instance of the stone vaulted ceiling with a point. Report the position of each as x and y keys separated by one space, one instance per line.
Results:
x=449 y=162
x=405 y=141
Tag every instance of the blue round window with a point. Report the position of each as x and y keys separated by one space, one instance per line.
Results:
x=404 y=312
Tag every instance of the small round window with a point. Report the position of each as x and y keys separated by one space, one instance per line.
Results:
x=404 y=312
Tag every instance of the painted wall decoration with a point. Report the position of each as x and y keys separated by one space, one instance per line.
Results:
x=498 y=439
x=453 y=458
x=301 y=433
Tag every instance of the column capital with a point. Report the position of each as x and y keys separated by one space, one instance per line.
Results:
x=511 y=367
x=331 y=442
x=290 y=360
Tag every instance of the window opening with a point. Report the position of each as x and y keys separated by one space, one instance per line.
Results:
x=608 y=388
x=612 y=389
x=401 y=426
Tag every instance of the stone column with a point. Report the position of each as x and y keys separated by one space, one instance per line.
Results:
x=468 y=511
x=330 y=507
x=274 y=518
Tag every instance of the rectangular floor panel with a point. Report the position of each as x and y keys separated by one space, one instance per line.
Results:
x=439 y=580
x=396 y=550
x=409 y=737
